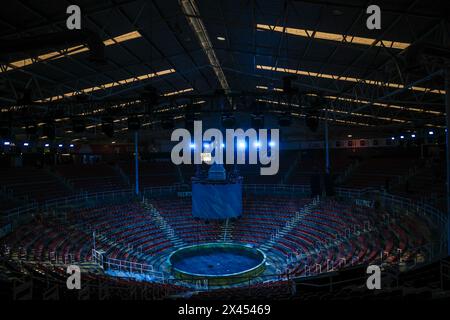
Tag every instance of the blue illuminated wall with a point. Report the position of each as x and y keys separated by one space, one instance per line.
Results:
x=216 y=200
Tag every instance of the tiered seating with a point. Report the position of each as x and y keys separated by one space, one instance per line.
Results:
x=268 y=213
x=331 y=235
x=430 y=177
x=93 y=178
x=152 y=173
x=379 y=172
x=33 y=184
x=178 y=213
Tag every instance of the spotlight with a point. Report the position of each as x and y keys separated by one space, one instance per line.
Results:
x=206 y=145
x=26 y=144
x=393 y=138
x=257 y=144
x=431 y=133
x=71 y=145
x=272 y=144
x=241 y=145
x=221 y=38
x=60 y=145
x=402 y=137
x=47 y=145
x=6 y=143
x=413 y=135
x=192 y=145
x=222 y=145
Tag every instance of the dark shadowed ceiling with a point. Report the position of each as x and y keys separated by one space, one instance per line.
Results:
x=187 y=48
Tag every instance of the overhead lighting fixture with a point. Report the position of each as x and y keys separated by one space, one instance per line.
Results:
x=267 y=88
x=26 y=144
x=47 y=145
x=109 y=85
x=168 y=94
x=6 y=143
x=346 y=78
x=349 y=136
x=314 y=34
x=377 y=104
x=68 y=51
x=221 y=38
x=413 y=135
x=343 y=112
x=431 y=133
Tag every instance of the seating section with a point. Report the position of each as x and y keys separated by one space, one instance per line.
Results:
x=268 y=213
x=379 y=172
x=331 y=235
x=32 y=184
x=313 y=161
x=178 y=213
x=92 y=178
x=152 y=173
x=426 y=184
x=49 y=282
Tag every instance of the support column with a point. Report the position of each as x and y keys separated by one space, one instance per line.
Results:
x=447 y=136
x=136 y=163
x=327 y=148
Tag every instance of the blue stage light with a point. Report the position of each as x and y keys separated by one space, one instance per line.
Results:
x=272 y=144
x=206 y=145
x=222 y=145
x=192 y=145
x=241 y=145
x=257 y=144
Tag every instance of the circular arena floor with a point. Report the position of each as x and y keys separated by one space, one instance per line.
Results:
x=219 y=263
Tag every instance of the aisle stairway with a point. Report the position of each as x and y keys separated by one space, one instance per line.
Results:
x=291 y=224
x=162 y=223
